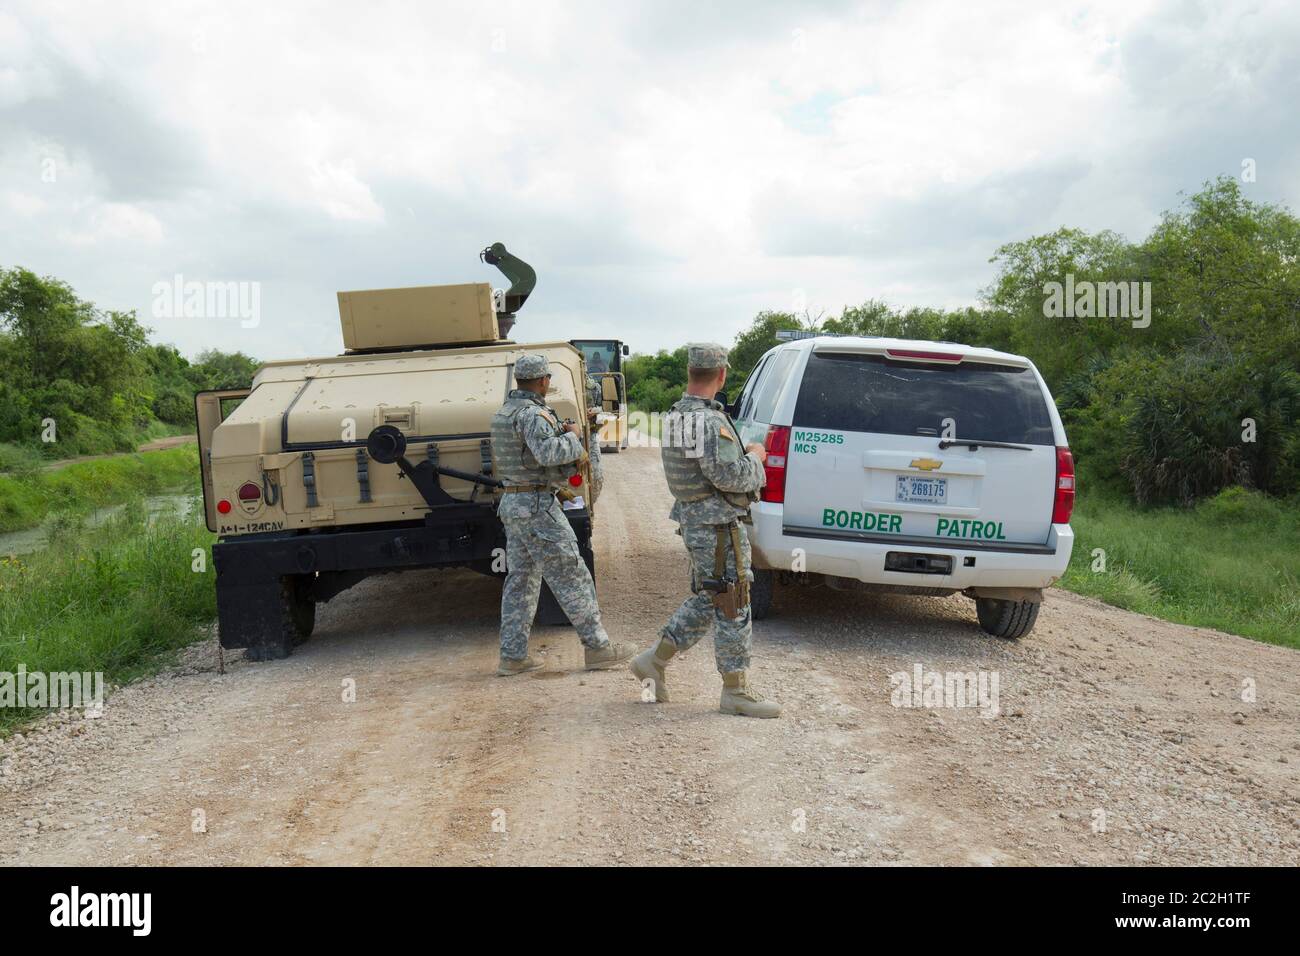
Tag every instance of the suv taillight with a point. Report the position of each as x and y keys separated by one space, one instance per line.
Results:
x=777 y=444
x=1063 y=504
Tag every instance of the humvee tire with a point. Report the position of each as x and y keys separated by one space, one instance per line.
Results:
x=296 y=592
x=1009 y=619
x=297 y=620
x=549 y=611
x=761 y=593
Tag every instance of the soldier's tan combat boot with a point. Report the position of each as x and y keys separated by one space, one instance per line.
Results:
x=649 y=666
x=509 y=667
x=598 y=658
x=741 y=699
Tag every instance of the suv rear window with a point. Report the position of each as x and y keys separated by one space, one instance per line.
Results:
x=871 y=393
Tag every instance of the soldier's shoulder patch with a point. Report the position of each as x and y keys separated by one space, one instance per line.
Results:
x=723 y=433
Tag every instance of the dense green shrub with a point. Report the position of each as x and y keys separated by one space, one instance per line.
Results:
x=92 y=372
x=654 y=382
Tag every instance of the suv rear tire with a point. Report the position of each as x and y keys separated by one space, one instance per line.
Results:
x=760 y=594
x=1009 y=619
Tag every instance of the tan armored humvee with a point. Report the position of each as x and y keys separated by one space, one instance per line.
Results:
x=331 y=469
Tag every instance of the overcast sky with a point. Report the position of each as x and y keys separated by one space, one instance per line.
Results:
x=669 y=169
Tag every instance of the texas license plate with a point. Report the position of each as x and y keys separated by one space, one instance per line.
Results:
x=927 y=491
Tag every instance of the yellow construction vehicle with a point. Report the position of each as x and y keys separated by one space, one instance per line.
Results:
x=604 y=361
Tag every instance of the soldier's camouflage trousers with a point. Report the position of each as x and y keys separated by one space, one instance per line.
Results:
x=691 y=621
x=540 y=544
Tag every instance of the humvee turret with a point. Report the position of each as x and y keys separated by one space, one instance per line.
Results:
x=329 y=470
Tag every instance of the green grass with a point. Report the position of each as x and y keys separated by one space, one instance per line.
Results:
x=163 y=430
x=1231 y=563
x=115 y=599
x=29 y=494
x=22 y=457
x=20 y=460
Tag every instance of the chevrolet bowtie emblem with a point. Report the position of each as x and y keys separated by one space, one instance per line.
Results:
x=925 y=464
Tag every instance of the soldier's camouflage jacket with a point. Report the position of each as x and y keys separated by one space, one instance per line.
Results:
x=530 y=447
x=709 y=473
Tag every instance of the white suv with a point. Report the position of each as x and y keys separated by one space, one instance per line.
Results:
x=921 y=467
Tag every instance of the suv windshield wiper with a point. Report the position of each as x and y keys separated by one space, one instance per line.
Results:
x=978 y=443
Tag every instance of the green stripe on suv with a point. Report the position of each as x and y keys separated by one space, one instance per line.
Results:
x=886 y=523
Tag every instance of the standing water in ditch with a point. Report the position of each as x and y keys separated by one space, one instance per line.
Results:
x=33 y=539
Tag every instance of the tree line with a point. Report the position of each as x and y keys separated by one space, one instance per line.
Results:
x=93 y=372
x=1200 y=393
x=1196 y=389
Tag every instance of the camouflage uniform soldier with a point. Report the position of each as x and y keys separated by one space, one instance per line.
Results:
x=534 y=453
x=713 y=481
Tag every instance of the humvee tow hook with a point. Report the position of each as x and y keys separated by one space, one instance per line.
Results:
x=387 y=445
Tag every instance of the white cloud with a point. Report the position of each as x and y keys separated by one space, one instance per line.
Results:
x=341 y=194
x=22 y=203
x=116 y=224
x=669 y=168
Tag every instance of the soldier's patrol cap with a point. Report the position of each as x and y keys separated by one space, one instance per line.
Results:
x=528 y=367
x=706 y=355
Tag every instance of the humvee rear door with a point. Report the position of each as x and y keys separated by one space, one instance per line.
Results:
x=210 y=410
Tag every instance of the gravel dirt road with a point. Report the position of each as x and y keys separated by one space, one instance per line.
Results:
x=1120 y=739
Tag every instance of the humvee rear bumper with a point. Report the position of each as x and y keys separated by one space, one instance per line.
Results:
x=253 y=570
